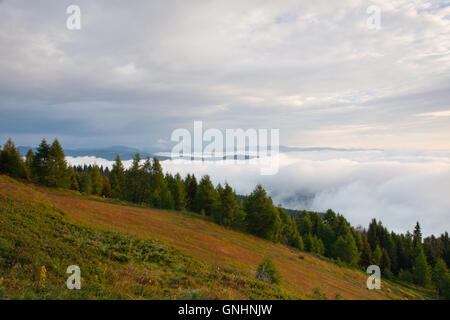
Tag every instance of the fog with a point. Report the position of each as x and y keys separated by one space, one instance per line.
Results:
x=399 y=187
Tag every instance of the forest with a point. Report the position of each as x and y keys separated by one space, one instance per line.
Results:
x=404 y=257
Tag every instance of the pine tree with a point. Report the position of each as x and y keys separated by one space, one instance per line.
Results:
x=29 y=160
x=161 y=196
x=85 y=183
x=178 y=192
x=440 y=273
x=421 y=269
x=40 y=166
x=96 y=181
x=377 y=256
x=117 y=179
x=206 y=198
x=345 y=249
x=58 y=175
x=228 y=207
x=417 y=236
x=304 y=224
x=366 y=254
x=385 y=264
x=11 y=162
x=262 y=218
x=73 y=180
x=191 y=191
x=106 y=191
x=372 y=235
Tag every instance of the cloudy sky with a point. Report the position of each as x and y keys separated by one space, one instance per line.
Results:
x=313 y=69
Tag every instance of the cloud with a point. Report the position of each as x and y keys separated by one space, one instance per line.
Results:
x=136 y=73
x=398 y=187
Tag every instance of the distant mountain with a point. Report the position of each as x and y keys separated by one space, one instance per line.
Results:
x=108 y=153
x=127 y=153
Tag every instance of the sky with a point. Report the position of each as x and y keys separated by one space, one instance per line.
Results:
x=312 y=69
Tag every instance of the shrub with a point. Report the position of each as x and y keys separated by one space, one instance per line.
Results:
x=268 y=272
x=318 y=294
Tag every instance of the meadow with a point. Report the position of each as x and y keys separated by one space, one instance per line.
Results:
x=127 y=251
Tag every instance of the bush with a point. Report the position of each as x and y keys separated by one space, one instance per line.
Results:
x=268 y=272
x=318 y=294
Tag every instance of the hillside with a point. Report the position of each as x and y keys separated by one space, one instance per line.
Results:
x=130 y=252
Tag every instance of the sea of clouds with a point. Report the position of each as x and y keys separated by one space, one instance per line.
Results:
x=399 y=187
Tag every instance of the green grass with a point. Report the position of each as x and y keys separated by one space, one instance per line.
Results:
x=35 y=236
x=132 y=252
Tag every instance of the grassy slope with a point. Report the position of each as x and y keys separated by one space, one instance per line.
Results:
x=132 y=252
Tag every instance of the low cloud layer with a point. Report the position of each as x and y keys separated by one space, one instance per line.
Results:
x=396 y=186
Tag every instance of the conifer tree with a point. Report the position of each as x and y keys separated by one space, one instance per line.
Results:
x=377 y=254
x=206 y=198
x=439 y=273
x=366 y=254
x=40 y=165
x=58 y=175
x=85 y=183
x=73 y=180
x=346 y=250
x=385 y=264
x=262 y=217
x=106 y=191
x=191 y=191
x=11 y=162
x=161 y=195
x=228 y=207
x=421 y=269
x=417 y=236
x=117 y=179
x=96 y=181
x=29 y=160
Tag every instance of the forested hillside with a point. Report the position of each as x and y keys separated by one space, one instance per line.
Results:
x=406 y=257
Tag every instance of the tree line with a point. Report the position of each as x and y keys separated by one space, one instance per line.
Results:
x=407 y=257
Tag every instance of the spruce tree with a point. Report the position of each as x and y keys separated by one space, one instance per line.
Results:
x=58 y=175
x=421 y=269
x=11 y=162
x=439 y=273
x=366 y=254
x=96 y=181
x=40 y=165
x=73 y=180
x=206 y=198
x=228 y=207
x=106 y=191
x=29 y=160
x=191 y=191
x=377 y=256
x=117 y=179
x=345 y=249
x=417 y=236
x=86 y=183
x=262 y=217
x=178 y=192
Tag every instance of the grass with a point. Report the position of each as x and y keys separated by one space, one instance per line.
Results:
x=131 y=252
